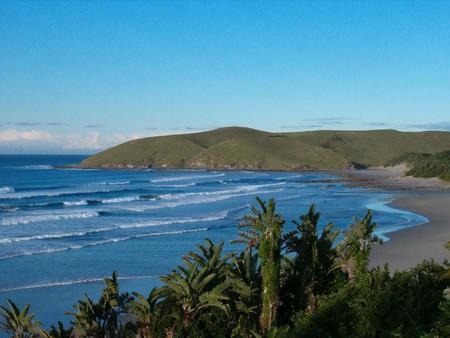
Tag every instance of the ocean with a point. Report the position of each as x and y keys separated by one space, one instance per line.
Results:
x=63 y=230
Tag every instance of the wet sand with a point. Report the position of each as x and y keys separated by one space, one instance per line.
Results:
x=428 y=197
x=408 y=247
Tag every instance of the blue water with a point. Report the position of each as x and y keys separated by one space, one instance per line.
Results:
x=63 y=230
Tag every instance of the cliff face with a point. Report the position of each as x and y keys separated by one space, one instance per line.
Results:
x=244 y=148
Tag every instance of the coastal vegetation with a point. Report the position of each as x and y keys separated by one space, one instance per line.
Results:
x=426 y=165
x=245 y=148
x=301 y=283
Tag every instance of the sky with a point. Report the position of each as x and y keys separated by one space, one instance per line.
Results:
x=80 y=76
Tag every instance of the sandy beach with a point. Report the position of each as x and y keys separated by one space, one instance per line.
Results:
x=428 y=197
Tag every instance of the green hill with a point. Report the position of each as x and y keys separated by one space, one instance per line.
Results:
x=244 y=148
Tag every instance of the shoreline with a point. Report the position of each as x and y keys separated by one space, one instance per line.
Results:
x=410 y=246
x=428 y=197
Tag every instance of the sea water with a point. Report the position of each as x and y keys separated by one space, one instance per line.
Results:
x=63 y=230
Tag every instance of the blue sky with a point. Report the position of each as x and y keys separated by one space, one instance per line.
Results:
x=81 y=76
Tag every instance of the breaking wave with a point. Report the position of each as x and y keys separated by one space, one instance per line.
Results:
x=102 y=242
x=6 y=190
x=45 y=218
x=184 y=178
x=156 y=222
x=72 y=282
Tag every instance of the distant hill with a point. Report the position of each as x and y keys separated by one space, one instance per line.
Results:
x=426 y=165
x=245 y=148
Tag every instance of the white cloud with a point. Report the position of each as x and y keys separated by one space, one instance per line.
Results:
x=88 y=141
x=25 y=135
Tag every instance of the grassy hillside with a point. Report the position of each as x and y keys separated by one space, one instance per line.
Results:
x=244 y=148
x=426 y=165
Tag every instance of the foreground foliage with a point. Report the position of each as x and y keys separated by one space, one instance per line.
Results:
x=295 y=284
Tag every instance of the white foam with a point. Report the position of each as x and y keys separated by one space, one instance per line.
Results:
x=198 y=199
x=50 y=236
x=102 y=242
x=120 y=199
x=408 y=219
x=289 y=177
x=45 y=218
x=110 y=183
x=175 y=185
x=184 y=178
x=6 y=190
x=39 y=166
x=29 y=194
x=217 y=217
x=156 y=222
x=218 y=192
x=73 y=282
x=72 y=203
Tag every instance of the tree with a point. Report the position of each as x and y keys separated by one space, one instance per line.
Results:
x=264 y=232
x=102 y=318
x=145 y=314
x=19 y=323
x=314 y=258
x=245 y=293
x=355 y=248
x=199 y=285
x=59 y=331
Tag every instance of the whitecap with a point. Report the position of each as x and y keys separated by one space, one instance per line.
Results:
x=175 y=185
x=156 y=222
x=30 y=194
x=110 y=183
x=198 y=199
x=102 y=242
x=289 y=177
x=72 y=282
x=38 y=166
x=72 y=203
x=45 y=218
x=120 y=199
x=184 y=178
x=6 y=190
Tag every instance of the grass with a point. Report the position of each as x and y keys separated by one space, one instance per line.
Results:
x=245 y=148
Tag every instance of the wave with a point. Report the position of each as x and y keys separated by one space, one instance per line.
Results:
x=8 y=208
x=45 y=218
x=57 y=204
x=31 y=194
x=70 y=193
x=218 y=192
x=7 y=190
x=175 y=185
x=38 y=166
x=197 y=199
x=157 y=222
x=288 y=177
x=120 y=199
x=74 y=203
x=111 y=183
x=151 y=197
x=102 y=242
x=73 y=282
x=46 y=236
x=184 y=178
x=11 y=208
